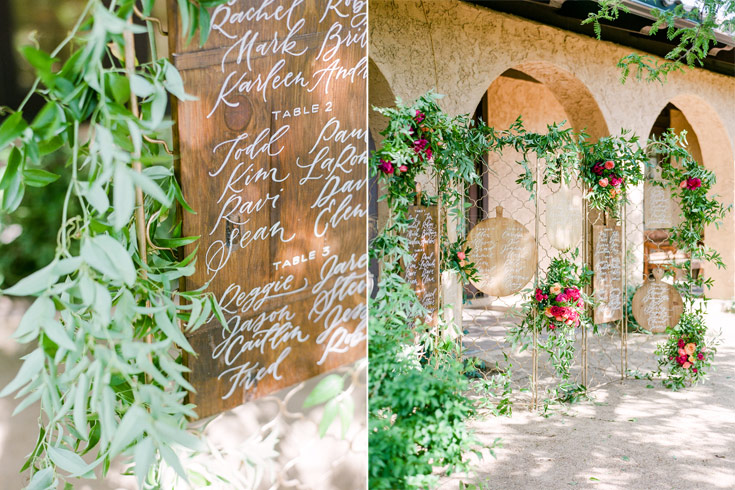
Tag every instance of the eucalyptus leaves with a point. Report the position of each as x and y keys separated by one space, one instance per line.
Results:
x=108 y=320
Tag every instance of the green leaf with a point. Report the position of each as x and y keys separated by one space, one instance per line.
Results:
x=39 y=281
x=120 y=88
x=12 y=172
x=119 y=256
x=97 y=197
x=12 y=128
x=174 y=84
x=41 y=311
x=204 y=25
x=42 y=480
x=42 y=62
x=58 y=334
x=346 y=414
x=35 y=177
x=144 y=457
x=330 y=412
x=327 y=388
x=123 y=197
x=131 y=426
x=12 y=197
x=151 y=188
x=173 y=461
x=80 y=406
x=31 y=367
x=140 y=86
x=172 y=331
x=68 y=461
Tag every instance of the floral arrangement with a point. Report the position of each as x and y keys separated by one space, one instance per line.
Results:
x=608 y=168
x=561 y=306
x=559 y=301
x=456 y=260
x=686 y=355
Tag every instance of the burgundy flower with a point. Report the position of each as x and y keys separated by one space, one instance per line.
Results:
x=419 y=116
x=539 y=295
x=694 y=370
x=428 y=153
x=681 y=343
x=597 y=168
x=615 y=180
x=694 y=183
x=700 y=356
x=386 y=167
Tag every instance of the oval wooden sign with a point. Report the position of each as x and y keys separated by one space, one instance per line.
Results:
x=505 y=255
x=657 y=305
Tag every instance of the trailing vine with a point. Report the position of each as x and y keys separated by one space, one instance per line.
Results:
x=417 y=401
x=108 y=321
x=690 y=183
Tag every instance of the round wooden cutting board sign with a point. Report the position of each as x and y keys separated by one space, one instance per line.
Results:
x=657 y=305
x=505 y=255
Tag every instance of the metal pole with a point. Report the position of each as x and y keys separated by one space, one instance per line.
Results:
x=535 y=320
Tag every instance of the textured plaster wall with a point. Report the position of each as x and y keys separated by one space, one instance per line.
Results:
x=460 y=49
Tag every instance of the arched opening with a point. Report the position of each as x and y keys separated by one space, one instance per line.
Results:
x=709 y=144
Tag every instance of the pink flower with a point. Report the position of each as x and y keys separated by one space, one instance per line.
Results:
x=700 y=356
x=561 y=298
x=694 y=183
x=419 y=116
x=609 y=164
x=694 y=370
x=603 y=182
x=683 y=184
x=428 y=153
x=403 y=168
x=461 y=255
x=671 y=358
x=686 y=365
x=615 y=180
x=573 y=293
x=386 y=167
x=682 y=352
x=540 y=296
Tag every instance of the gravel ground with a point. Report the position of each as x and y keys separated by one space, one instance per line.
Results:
x=630 y=435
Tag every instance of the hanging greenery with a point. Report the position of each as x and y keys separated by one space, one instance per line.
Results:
x=108 y=321
x=417 y=383
x=691 y=184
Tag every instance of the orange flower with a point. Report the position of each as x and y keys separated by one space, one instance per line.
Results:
x=690 y=348
x=555 y=289
x=691 y=359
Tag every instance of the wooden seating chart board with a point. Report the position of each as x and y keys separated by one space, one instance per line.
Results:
x=504 y=252
x=422 y=273
x=657 y=305
x=607 y=264
x=274 y=162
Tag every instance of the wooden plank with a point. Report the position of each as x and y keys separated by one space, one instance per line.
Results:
x=657 y=305
x=274 y=161
x=504 y=252
x=422 y=273
x=607 y=264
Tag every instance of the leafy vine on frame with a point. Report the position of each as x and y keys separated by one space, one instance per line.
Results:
x=417 y=381
x=108 y=320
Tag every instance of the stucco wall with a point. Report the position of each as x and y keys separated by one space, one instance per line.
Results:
x=460 y=49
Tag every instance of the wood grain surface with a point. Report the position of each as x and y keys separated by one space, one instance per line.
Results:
x=504 y=252
x=274 y=162
x=657 y=305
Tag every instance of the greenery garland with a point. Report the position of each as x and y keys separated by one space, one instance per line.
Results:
x=108 y=318
x=417 y=401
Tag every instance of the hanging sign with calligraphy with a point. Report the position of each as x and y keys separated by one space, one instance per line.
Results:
x=660 y=208
x=657 y=305
x=422 y=273
x=505 y=255
x=274 y=162
x=607 y=264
